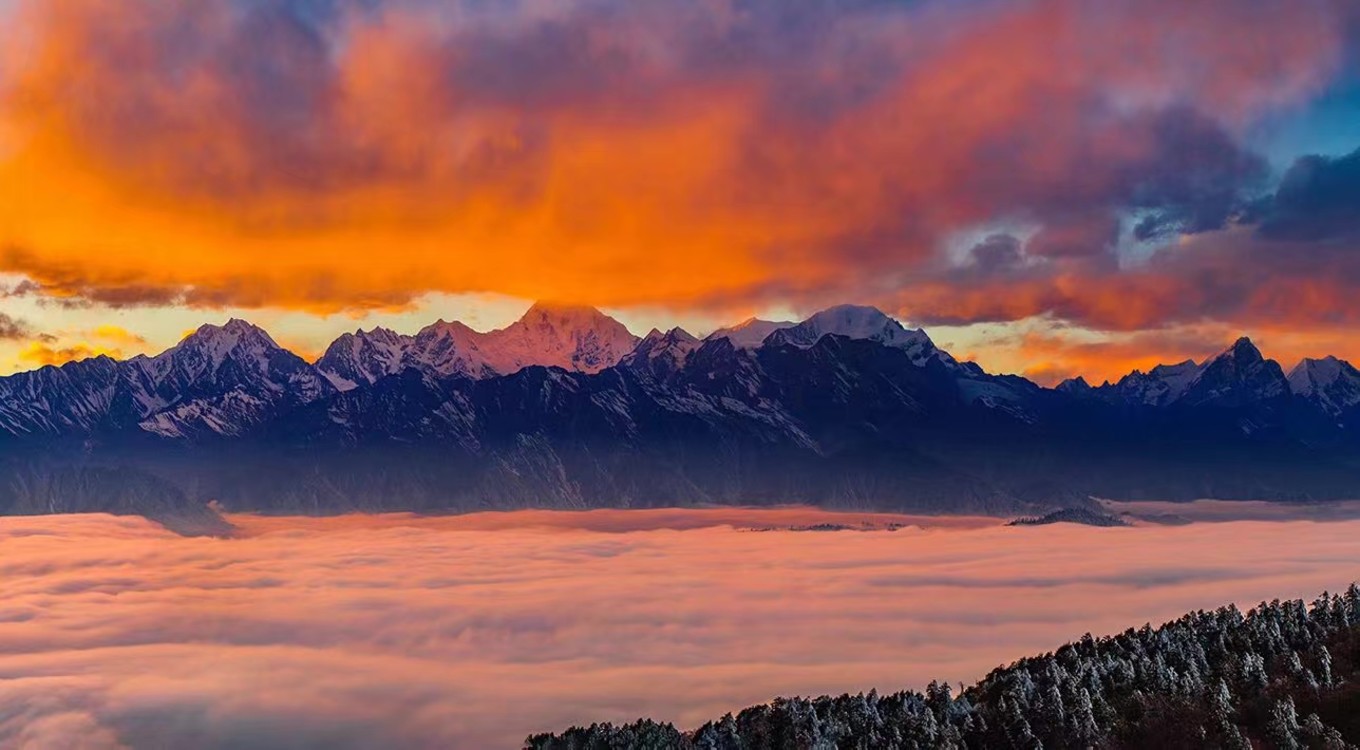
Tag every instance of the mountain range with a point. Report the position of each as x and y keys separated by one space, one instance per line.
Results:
x=567 y=408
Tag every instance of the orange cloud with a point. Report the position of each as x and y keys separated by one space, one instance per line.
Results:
x=611 y=153
x=68 y=346
x=118 y=335
x=1049 y=357
x=39 y=353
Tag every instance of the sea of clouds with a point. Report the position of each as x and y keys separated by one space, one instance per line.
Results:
x=473 y=631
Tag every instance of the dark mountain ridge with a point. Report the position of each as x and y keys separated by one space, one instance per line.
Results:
x=847 y=409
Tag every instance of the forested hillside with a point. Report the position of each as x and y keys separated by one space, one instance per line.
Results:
x=1284 y=675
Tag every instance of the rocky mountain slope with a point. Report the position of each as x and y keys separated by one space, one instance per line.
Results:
x=566 y=408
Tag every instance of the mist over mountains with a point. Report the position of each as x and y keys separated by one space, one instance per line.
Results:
x=567 y=409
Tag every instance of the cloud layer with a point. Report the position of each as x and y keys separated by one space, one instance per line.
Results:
x=350 y=155
x=474 y=631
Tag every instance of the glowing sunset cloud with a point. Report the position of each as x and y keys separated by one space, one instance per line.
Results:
x=350 y=157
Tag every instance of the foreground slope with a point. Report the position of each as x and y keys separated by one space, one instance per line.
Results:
x=1284 y=675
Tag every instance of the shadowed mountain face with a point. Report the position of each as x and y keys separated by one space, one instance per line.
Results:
x=566 y=408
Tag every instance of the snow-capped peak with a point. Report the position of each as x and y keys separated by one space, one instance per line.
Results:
x=377 y=334
x=1313 y=375
x=1237 y=375
x=362 y=357
x=447 y=329
x=675 y=335
x=568 y=336
x=853 y=321
x=1159 y=386
x=215 y=344
x=447 y=348
x=1333 y=384
x=861 y=322
x=572 y=337
x=564 y=314
x=662 y=353
x=749 y=333
x=676 y=341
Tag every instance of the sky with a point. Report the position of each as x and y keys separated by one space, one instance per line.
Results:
x=1049 y=187
x=402 y=631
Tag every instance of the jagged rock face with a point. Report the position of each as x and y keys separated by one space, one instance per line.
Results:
x=214 y=360
x=720 y=367
x=1239 y=376
x=661 y=355
x=363 y=357
x=217 y=381
x=75 y=398
x=222 y=381
x=1159 y=386
x=448 y=349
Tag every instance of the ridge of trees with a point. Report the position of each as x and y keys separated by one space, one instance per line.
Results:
x=1283 y=675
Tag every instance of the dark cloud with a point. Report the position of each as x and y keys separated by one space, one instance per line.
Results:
x=1073 y=237
x=1287 y=260
x=1318 y=199
x=25 y=288
x=14 y=329
x=996 y=253
x=1203 y=180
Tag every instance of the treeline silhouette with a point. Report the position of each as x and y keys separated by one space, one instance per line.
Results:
x=1284 y=675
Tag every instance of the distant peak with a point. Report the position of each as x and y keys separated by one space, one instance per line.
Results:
x=562 y=310
x=553 y=319
x=1243 y=349
x=1178 y=368
x=851 y=311
x=754 y=322
x=858 y=322
x=1074 y=384
x=215 y=344
x=750 y=332
x=1321 y=371
x=444 y=327
x=234 y=327
x=676 y=334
